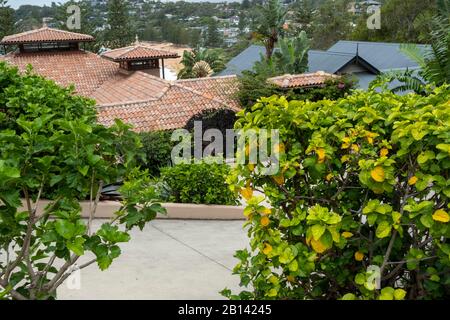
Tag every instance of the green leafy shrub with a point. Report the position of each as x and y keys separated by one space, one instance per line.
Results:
x=201 y=183
x=363 y=186
x=157 y=148
x=50 y=144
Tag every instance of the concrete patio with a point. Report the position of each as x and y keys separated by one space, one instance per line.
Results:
x=169 y=259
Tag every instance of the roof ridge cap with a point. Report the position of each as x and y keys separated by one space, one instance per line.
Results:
x=202 y=95
x=206 y=78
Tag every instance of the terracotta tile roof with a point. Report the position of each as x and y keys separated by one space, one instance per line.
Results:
x=130 y=87
x=138 y=51
x=46 y=34
x=222 y=88
x=86 y=70
x=288 y=81
x=171 y=111
x=147 y=102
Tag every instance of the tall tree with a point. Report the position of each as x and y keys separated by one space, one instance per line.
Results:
x=6 y=18
x=331 y=22
x=64 y=20
x=213 y=37
x=302 y=15
x=120 y=32
x=270 y=25
x=401 y=21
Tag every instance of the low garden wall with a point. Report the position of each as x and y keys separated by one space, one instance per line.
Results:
x=106 y=209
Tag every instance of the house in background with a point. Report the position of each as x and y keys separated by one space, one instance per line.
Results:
x=124 y=82
x=364 y=60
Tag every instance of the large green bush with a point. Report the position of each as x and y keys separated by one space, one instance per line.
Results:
x=157 y=148
x=363 y=185
x=200 y=182
x=50 y=144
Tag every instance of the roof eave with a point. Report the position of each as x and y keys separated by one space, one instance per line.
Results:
x=43 y=41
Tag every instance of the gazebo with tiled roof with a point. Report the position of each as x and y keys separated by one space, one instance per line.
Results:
x=46 y=39
x=140 y=56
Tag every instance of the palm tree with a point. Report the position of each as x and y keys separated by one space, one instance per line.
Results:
x=434 y=63
x=293 y=54
x=205 y=61
x=270 y=25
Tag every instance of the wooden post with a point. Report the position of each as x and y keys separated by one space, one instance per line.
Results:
x=162 y=65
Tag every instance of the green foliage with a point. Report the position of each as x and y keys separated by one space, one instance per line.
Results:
x=213 y=37
x=331 y=22
x=157 y=148
x=269 y=24
x=212 y=57
x=120 y=31
x=199 y=182
x=434 y=64
x=292 y=56
x=50 y=144
x=401 y=21
x=6 y=18
x=363 y=183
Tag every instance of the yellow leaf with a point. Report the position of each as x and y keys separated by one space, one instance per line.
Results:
x=290 y=278
x=347 y=234
x=279 y=148
x=279 y=179
x=329 y=176
x=266 y=211
x=346 y=139
x=412 y=181
x=320 y=155
x=265 y=221
x=384 y=152
x=267 y=249
x=251 y=166
x=346 y=143
x=247 y=193
x=355 y=147
x=441 y=216
x=247 y=150
x=317 y=246
x=370 y=136
x=359 y=256
x=308 y=239
x=345 y=158
x=378 y=174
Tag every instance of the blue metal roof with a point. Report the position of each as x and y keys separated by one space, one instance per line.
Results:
x=382 y=55
x=329 y=62
x=317 y=60
x=243 y=61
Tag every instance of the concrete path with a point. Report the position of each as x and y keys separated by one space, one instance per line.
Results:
x=169 y=259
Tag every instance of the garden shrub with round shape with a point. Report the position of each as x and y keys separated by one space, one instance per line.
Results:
x=199 y=182
x=363 y=189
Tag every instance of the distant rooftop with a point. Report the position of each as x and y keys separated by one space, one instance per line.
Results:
x=382 y=55
x=138 y=51
x=304 y=80
x=45 y=34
